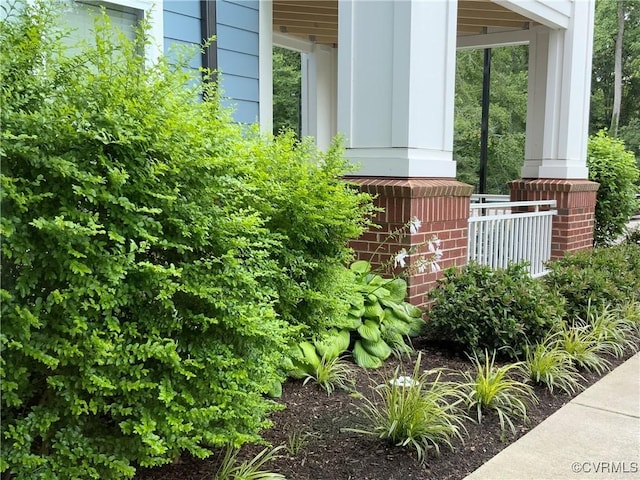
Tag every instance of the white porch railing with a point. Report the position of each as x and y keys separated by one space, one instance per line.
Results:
x=498 y=235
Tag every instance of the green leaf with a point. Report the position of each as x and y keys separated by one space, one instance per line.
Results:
x=369 y=330
x=333 y=343
x=374 y=311
x=378 y=349
x=397 y=289
x=364 y=358
x=309 y=354
x=360 y=266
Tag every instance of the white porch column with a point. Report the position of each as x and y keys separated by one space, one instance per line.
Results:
x=396 y=81
x=265 y=65
x=559 y=96
x=319 y=94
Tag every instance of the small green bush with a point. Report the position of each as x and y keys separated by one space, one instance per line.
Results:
x=616 y=171
x=482 y=309
x=151 y=281
x=598 y=277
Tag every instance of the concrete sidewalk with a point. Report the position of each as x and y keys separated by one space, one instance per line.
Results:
x=595 y=436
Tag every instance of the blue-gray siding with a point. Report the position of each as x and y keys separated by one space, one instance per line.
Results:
x=182 y=29
x=237 y=43
x=237 y=24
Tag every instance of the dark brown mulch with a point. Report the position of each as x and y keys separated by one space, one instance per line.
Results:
x=330 y=453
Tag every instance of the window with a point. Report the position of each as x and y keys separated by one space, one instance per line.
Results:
x=124 y=14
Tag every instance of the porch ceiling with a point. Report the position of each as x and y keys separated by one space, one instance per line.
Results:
x=317 y=20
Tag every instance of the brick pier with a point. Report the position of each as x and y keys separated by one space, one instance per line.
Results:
x=442 y=205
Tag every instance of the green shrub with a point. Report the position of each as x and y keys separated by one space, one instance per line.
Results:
x=616 y=171
x=482 y=309
x=312 y=213
x=598 y=277
x=150 y=282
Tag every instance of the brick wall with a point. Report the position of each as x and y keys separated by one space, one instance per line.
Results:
x=442 y=205
x=576 y=202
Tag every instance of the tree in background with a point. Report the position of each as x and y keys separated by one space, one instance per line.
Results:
x=286 y=90
x=617 y=36
x=507 y=115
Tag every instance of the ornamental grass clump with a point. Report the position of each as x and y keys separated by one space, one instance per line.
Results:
x=612 y=330
x=492 y=388
x=251 y=469
x=420 y=411
x=585 y=346
x=546 y=363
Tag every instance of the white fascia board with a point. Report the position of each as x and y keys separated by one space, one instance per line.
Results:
x=554 y=14
x=292 y=43
x=490 y=40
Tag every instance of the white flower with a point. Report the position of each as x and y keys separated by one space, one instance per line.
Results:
x=421 y=265
x=414 y=225
x=400 y=256
x=435 y=267
x=403 y=381
x=434 y=248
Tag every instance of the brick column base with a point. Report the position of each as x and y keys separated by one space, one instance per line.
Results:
x=442 y=205
x=576 y=203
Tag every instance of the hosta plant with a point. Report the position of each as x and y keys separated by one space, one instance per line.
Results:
x=320 y=361
x=496 y=388
x=380 y=319
x=549 y=365
x=420 y=411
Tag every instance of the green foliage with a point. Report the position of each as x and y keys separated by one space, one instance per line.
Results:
x=585 y=346
x=414 y=411
x=598 y=277
x=602 y=85
x=157 y=260
x=249 y=469
x=312 y=213
x=287 y=90
x=493 y=388
x=616 y=171
x=632 y=236
x=546 y=363
x=507 y=116
x=379 y=318
x=612 y=330
x=630 y=313
x=297 y=440
x=331 y=374
x=478 y=308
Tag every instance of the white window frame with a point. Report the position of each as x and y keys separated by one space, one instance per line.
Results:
x=150 y=10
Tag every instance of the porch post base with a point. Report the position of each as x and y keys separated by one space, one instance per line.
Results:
x=576 y=203
x=442 y=205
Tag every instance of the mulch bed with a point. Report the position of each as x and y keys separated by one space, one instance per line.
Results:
x=330 y=453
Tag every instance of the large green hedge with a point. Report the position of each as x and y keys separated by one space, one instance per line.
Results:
x=156 y=258
x=615 y=169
